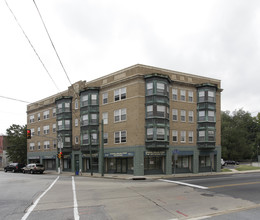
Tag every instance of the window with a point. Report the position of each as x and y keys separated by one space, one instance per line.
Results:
x=94 y=138
x=60 y=108
x=211 y=116
x=120 y=137
x=53 y=112
x=211 y=96
x=31 y=146
x=76 y=140
x=190 y=136
x=46 y=129
x=105 y=118
x=120 y=115
x=39 y=116
x=76 y=104
x=93 y=119
x=149 y=88
x=161 y=111
x=76 y=122
x=120 y=94
x=149 y=134
x=175 y=136
x=67 y=124
x=105 y=98
x=39 y=145
x=94 y=99
x=67 y=140
x=160 y=88
x=54 y=144
x=174 y=94
x=183 y=115
x=39 y=131
x=149 y=110
x=46 y=145
x=31 y=118
x=67 y=107
x=105 y=138
x=211 y=135
x=60 y=126
x=46 y=114
x=84 y=100
x=201 y=135
x=175 y=115
x=183 y=136
x=32 y=132
x=191 y=116
x=201 y=96
x=190 y=96
x=160 y=133
x=53 y=128
x=84 y=120
x=183 y=95
x=85 y=139
x=202 y=116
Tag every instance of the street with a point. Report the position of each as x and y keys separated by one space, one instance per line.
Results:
x=26 y=196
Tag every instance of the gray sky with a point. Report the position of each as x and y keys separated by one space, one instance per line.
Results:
x=217 y=38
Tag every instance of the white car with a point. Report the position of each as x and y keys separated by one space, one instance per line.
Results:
x=223 y=163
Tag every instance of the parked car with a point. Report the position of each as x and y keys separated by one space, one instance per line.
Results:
x=14 y=167
x=34 y=168
x=232 y=162
x=223 y=163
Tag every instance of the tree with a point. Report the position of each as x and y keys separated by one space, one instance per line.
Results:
x=16 y=137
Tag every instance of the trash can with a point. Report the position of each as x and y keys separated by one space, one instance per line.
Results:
x=77 y=173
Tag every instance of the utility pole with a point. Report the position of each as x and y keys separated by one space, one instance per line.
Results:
x=102 y=148
x=90 y=151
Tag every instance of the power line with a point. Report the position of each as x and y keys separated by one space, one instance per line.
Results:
x=19 y=100
x=31 y=45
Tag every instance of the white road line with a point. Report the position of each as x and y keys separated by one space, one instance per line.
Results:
x=37 y=200
x=76 y=212
x=185 y=184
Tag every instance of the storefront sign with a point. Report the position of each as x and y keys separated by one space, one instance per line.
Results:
x=49 y=157
x=88 y=155
x=34 y=157
x=154 y=153
x=120 y=154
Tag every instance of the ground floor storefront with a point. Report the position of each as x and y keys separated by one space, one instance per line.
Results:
x=135 y=160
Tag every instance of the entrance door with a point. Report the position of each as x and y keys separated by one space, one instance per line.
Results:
x=121 y=165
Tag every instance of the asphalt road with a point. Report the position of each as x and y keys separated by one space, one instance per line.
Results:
x=37 y=197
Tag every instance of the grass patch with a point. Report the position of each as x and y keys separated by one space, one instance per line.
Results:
x=226 y=170
x=246 y=167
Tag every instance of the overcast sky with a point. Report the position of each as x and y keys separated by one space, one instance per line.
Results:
x=213 y=38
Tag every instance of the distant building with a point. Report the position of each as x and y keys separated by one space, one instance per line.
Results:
x=155 y=121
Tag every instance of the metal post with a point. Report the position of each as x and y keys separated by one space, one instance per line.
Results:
x=102 y=148
x=90 y=151
x=60 y=146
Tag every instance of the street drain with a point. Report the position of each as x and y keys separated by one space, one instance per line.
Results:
x=208 y=195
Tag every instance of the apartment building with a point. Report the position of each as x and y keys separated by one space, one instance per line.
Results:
x=155 y=121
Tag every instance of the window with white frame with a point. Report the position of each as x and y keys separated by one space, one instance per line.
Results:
x=39 y=145
x=183 y=115
x=94 y=100
x=202 y=116
x=201 y=96
x=175 y=94
x=53 y=128
x=67 y=140
x=211 y=116
x=149 y=134
x=32 y=132
x=39 y=131
x=94 y=138
x=211 y=135
x=76 y=122
x=67 y=124
x=93 y=118
x=67 y=106
x=105 y=118
x=85 y=139
x=60 y=125
x=211 y=96
x=191 y=116
x=190 y=93
x=120 y=94
x=46 y=129
x=201 y=135
x=160 y=88
x=31 y=118
x=84 y=120
x=149 y=88
x=46 y=145
x=59 y=107
x=175 y=115
x=105 y=138
x=161 y=111
x=190 y=136
x=84 y=100
x=46 y=114
x=32 y=146
x=105 y=98
x=39 y=116
x=183 y=95
x=175 y=136
x=120 y=137
x=120 y=115
x=160 y=133
x=149 y=110
x=76 y=104
x=183 y=136
x=53 y=112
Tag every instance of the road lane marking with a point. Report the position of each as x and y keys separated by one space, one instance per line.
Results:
x=37 y=200
x=235 y=184
x=75 y=208
x=185 y=184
